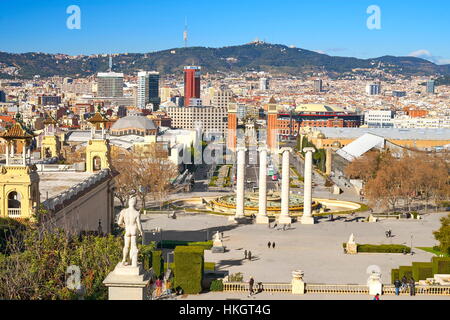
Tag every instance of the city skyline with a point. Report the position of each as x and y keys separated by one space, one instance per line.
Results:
x=327 y=27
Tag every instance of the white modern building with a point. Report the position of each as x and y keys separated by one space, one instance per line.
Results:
x=379 y=118
x=212 y=119
x=263 y=84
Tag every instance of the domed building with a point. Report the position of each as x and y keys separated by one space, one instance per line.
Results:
x=136 y=125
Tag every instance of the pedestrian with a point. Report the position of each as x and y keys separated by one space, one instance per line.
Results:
x=245 y=254
x=377 y=297
x=275 y=225
x=273 y=245
x=158 y=287
x=269 y=244
x=250 y=255
x=284 y=227
x=404 y=283
x=398 y=285
x=250 y=286
x=412 y=287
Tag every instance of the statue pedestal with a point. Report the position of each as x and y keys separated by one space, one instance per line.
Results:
x=307 y=220
x=128 y=283
x=262 y=220
x=375 y=285
x=284 y=220
x=298 y=285
x=218 y=247
x=351 y=248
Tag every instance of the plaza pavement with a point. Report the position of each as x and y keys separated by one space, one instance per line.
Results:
x=315 y=249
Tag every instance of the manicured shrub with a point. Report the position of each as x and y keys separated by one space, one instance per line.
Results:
x=383 y=248
x=209 y=266
x=145 y=255
x=157 y=263
x=422 y=270
x=189 y=268
x=206 y=244
x=395 y=275
x=216 y=285
x=171 y=244
x=405 y=271
x=441 y=265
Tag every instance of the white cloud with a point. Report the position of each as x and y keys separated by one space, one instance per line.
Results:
x=425 y=54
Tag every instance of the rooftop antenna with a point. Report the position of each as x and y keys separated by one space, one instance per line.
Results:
x=185 y=33
x=110 y=63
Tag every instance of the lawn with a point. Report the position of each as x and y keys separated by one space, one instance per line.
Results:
x=433 y=251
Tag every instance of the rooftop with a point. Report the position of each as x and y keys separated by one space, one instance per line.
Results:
x=57 y=182
x=388 y=133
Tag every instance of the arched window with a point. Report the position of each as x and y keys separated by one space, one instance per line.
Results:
x=14 y=200
x=97 y=163
x=14 y=204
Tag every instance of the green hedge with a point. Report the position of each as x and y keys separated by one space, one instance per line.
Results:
x=395 y=275
x=189 y=262
x=207 y=266
x=380 y=248
x=383 y=248
x=405 y=271
x=157 y=263
x=172 y=244
x=216 y=285
x=441 y=265
x=422 y=270
x=145 y=256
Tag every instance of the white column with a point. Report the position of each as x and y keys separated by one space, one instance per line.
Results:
x=7 y=153
x=285 y=190
x=240 y=186
x=12 y=149
x=262 y=217
x=307 y=217
x=24 y=154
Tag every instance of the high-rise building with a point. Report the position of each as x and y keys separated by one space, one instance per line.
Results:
x=373 y=89
x=191 y=84
x=430 y=86
x=109 y=84
x=148 y=88
x=263 y=84
x=318 y=85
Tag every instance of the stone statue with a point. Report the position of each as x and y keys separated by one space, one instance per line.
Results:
x=130 y=219
x=217 y=236
x=352 y=239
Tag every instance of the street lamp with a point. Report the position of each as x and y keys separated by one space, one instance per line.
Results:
x=411 y=244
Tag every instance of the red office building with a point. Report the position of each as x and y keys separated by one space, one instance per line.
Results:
x=191 y=84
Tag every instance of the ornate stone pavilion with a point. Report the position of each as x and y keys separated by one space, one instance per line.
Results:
x=71 y=197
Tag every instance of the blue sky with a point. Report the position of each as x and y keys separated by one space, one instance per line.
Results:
x=336 y=27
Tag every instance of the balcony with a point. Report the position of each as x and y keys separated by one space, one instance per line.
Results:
x=14 y=212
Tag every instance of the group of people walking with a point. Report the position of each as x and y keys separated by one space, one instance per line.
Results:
x=248 y=255
x=404 y=285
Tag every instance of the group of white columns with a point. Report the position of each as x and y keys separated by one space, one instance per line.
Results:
x=9 y=154
x=262 y=217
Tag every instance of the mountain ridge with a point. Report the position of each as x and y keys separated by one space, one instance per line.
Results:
x=256 y=56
